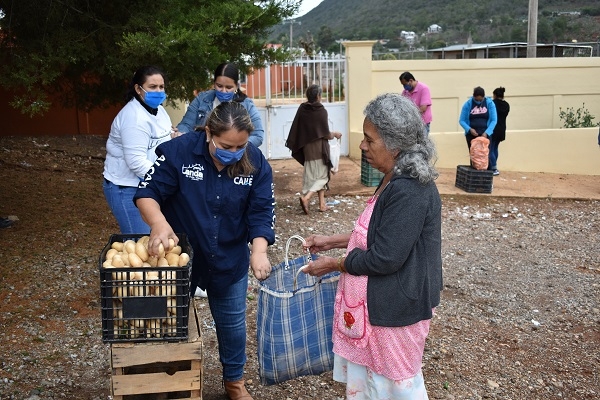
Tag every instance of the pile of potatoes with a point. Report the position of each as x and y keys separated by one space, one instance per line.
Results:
x=141 y=283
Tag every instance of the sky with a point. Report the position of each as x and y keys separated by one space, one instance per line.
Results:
x=307 y=5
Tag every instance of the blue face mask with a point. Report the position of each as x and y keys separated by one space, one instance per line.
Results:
x=226 y=157
x=477 y=102
x=224 y=97
x=407 y=87
x=154 y=99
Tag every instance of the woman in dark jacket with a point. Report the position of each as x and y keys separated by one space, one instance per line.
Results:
x=502 y=110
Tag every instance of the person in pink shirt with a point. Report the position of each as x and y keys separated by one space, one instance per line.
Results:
x=419 y=93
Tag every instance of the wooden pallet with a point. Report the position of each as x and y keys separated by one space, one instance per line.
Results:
x=159 y=370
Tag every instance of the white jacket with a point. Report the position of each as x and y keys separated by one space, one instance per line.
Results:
x=134 y=135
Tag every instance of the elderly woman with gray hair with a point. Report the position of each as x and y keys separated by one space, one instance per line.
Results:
x=392 y=268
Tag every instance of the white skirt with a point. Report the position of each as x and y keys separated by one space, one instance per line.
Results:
x=362 y=383
x=316 y=176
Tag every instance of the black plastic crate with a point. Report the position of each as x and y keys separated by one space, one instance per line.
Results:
x=369 y=176
x=142 y=304
x=474 y=181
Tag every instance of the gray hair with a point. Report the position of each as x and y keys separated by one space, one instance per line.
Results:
x=399 y=123
x=313 y=92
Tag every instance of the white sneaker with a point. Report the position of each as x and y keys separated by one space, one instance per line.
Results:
x=200 y=293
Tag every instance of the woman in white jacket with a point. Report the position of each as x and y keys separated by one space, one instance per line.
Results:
x=141 y=125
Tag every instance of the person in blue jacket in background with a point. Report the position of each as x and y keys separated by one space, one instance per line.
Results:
x=217 y=188
x=226 y=88
x=478 y=116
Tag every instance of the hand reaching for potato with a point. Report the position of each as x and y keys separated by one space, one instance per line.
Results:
x=162 y=239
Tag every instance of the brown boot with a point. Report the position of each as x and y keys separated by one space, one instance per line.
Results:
x=237 y=391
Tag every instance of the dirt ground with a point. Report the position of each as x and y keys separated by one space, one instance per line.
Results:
x=520 y=311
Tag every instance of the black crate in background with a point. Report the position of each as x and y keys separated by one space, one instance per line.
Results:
x=474 y=181
x=147 y=303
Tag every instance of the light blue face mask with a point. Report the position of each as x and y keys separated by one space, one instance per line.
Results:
x=154 y=99
x=227 y=157
x=224 y=97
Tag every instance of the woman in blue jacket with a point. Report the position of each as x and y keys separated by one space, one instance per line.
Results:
x=478 y=116
x=216 y=188
x=226 y=88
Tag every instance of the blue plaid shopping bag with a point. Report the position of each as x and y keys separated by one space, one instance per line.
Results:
x=294 y=321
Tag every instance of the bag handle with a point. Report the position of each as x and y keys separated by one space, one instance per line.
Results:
x=287 y=249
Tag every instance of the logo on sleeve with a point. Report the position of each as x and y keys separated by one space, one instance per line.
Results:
x=193 y=172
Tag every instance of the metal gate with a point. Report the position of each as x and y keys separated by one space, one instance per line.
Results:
x=278 y=89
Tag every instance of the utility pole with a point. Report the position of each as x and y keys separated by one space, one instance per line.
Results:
x=532 y=29
x=292 y=22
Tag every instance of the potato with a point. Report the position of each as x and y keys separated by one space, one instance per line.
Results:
x=122 y=291
x=144 y=240
x=141 y=251
x=162 y=262
x=136 y=289
x=117 y=246
x=184 y=259
x=161 y=251
x=170 y=275
x=146 y=264
x=137 y=276
x=107 y=264
x=138 y=323
x=153 y=328
x=153 y=261
x=129 y=246
x=134 y=260
x=169 y=330
x=117 y=261
x=175 y=250
x=119 y=276
x=172 y=259
x=171 y=244
x=110 y=253
x=124 y=258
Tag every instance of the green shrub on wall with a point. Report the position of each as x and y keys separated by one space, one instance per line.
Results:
x=577 y=119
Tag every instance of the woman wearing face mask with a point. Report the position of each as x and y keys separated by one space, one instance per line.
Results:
x=478 y=116
x=140 y=126
x=225 y=88
x=217 y=189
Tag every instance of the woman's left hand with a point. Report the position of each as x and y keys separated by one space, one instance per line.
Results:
x=321 y=266
x=261 y=267
x=175 y=132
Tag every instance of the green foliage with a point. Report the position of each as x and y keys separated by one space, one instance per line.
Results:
x=84 y=52
x=580 y=118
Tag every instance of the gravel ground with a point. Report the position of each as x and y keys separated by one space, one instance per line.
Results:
x=519 y=318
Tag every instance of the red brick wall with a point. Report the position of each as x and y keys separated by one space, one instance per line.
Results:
x=57 y=121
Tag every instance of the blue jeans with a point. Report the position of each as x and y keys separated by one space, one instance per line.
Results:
x=228 y=309
x=120 y=201
x=493 y=155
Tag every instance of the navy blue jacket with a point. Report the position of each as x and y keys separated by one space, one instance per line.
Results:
x=219 y=214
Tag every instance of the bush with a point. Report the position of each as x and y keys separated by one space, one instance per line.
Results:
x=577 y=119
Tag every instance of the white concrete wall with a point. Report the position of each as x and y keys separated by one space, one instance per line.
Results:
x=537 y=89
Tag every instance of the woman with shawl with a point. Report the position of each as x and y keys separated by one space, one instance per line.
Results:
x=309 y=142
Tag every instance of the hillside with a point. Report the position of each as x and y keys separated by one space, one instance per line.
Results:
x=559 y=21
